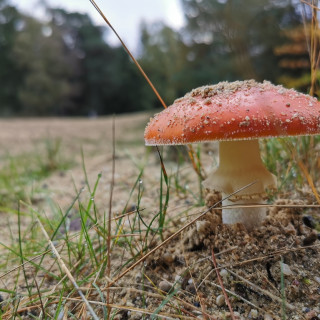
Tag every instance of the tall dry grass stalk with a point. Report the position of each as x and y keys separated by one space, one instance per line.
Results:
x=313 y=41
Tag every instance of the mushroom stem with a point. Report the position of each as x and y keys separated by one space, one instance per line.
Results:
x=239 y=165
x=251 y=217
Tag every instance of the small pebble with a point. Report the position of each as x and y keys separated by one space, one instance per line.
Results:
x=168 y=258
x=129 y=303
x=224 y=274
x=178 y=279
x=164 y=286
x=138 y=276
x=267 y=316
x=136 y=316
x=220 y=300
x=253 y=314
x=317 y=279
x=286 y=269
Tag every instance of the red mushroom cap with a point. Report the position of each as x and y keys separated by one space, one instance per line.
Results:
x=235 y=111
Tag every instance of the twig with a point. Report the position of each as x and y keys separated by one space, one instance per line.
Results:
x=205 y=315
x=23 y=264
x=55 y=287
x=236 y=295
x=310 y=5
x=120 y=307
x=222 y=286
x=144 y=311
x=66 y=270
x=265 y=292
x=270 y=206
x=271 y=254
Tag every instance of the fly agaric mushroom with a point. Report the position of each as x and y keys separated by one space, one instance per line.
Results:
x=237 y=114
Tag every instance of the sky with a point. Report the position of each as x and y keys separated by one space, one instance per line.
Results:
x=124 y=15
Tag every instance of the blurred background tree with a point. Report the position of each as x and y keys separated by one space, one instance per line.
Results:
x=38 y=51
x=64 y=66
x=239 y=36
x=10 y=74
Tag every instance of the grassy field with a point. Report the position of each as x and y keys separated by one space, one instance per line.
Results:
x=91 y=228
x=94 y=225
x=57 y=173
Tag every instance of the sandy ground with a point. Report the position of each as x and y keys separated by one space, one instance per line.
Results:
x=18 y=135
x=95 y=138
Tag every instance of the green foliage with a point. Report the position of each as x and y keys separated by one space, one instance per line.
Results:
x=65 y=66
x=164 y=59
x=216 y=45
x=107 y=79
x=46 y=70
x=20 y=175
x=282 y=157
x=238 y=37
x=10 y=74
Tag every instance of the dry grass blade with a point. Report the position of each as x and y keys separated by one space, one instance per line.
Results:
x=66 y=270
x=314 y=46
x=23 y=264
x=159 y=295
x=129 y=53
x=110 y=212
x=265 y=292
x=309 y=179
x=249 y=303
x=310 y=4
x=140 y=310
x=272 y=254
x=315 y=206
x=222 y=286
x=54 y=288
x=206 y=316
x=176 y=234
x=313 y=42
x=198 y=170
x=252 y=285
x=43 y=314
x=305 y=172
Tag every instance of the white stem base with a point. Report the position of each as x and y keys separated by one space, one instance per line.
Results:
x=250 y=217
x=240 y=164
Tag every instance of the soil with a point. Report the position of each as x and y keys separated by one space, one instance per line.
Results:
x=272 y=272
